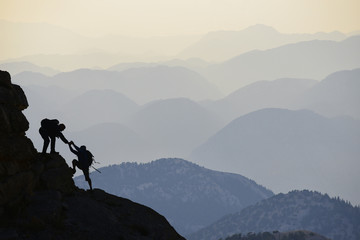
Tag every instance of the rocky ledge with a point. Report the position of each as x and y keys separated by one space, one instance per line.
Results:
x=38 y=198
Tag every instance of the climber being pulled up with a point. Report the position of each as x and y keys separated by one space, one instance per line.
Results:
x=85 y=159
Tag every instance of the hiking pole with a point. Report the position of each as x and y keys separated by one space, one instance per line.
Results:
x=95 y=169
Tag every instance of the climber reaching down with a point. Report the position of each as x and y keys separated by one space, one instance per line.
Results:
x=49 y=131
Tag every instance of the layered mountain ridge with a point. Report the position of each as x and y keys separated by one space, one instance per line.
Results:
x=313 y=211
x=308 y=150
x=189 y=196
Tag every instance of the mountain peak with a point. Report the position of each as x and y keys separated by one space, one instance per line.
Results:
x=260 y=28
x=173 y=161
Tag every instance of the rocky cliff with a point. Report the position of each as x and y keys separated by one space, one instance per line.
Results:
x=38 y=198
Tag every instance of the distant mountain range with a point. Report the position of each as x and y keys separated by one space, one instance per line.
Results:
x=313 y=59
x=189 y=196
x=331 y=217
x=171 y=127
x=279 y=93
x=140 y=84
x=176 y=125
x=310 y=59
x=17 y=67
x=270 y=145
x=62 y=48
x=97 y=106
x=103 y=52
x=223 y=45
x=192 y=64
x=336 y=95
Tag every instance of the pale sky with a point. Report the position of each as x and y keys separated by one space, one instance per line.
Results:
x=183 y=17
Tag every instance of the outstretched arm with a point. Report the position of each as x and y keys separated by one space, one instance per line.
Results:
x=62 y=137
x=76 y=147
x=71 y=149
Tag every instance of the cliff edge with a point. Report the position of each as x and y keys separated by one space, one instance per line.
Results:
x=38 y=198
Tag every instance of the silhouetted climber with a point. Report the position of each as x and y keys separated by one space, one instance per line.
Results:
x=49 y=131
x=84 y=161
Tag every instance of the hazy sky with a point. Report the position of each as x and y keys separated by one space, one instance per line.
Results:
x=179 y=17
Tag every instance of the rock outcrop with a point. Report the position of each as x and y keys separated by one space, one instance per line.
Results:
x=38 y=198
x=17 y=153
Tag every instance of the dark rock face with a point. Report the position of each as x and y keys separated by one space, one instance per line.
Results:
x=111 y=217
x=17 y=152
x=38 y=198
x=57 y=175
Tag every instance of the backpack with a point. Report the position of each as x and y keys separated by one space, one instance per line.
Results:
x=49 y=124
x=87 y=159
x=90 y=158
